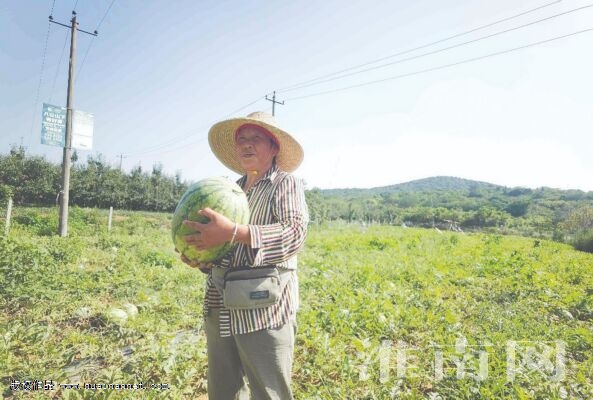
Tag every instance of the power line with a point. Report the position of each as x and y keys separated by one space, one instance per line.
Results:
x=297 y=85
x=51 y=11
x=444 y=66
x=177 y=139
x=168 y=150
x=443 y=49
x=51 y=93
x=86 y=53
x=160 y=147
x=105 y=15
x=242 y=108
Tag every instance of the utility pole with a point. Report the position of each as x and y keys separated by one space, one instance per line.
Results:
x=121 y=157
x=274 y=102
x=65 y=193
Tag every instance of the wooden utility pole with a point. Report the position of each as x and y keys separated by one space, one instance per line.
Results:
x=65 y=192
x=274 y=102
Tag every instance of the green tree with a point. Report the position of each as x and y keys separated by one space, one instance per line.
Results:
x=517 y=208
x=317 y=205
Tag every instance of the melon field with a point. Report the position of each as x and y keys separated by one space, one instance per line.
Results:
x=386 y=312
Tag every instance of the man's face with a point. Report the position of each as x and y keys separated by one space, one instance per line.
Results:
x=255 y=149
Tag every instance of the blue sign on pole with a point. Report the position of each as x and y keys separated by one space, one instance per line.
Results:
x=53 y=125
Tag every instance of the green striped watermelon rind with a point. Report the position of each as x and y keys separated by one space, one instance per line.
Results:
x=221 y=195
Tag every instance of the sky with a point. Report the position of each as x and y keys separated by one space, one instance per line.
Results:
x=499 y=91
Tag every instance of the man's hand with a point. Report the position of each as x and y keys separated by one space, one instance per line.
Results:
x=216 y=232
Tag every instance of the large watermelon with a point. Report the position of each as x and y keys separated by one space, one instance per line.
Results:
x=220 y=194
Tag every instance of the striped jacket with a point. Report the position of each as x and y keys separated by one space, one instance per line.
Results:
x=278 y=227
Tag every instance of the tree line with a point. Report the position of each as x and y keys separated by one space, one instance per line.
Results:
x=442 y=202
x=33 y=180
x=447 y=203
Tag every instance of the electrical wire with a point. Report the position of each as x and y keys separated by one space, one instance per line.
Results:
x=86 y=53
x=51 y=93
x=443 y=49
x=301 y=84
x=168 y=150
x=159 y=147
x=443 y=66
x=105 y=15
x=35 y=111
x=242 y=108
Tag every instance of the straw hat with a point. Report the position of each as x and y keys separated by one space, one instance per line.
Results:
x=222 y=141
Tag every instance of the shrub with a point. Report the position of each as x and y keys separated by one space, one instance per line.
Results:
x=584 y=241
x=37 y=222
x=6 y=193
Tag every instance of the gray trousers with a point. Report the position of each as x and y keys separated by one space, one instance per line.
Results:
x=263 y=357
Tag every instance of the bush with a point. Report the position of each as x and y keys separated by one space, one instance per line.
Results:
x=6 y=193
x=584 y=241
x=42 y=224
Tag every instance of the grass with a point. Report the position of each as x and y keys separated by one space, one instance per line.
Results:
x=379 y=307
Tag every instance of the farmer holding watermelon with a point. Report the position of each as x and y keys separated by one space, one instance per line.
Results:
x=252 y=292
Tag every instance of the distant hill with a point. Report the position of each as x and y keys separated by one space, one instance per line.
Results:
x=447 y=202
x=436 y=183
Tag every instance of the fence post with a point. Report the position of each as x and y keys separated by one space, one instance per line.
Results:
x=8 y=212
x=110 y=217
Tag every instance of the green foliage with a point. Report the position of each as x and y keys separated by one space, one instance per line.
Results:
x=158 y=259
x=517 y=208
x=33 y=179
x=580 y=219
x=6 y=192
x=446 y=203
x=584 y=241
x=453 y=204
x=423 y=290
x=579 y=227
x=36 y=181
x=120 y=307
x=58 y=295
x=38 y=222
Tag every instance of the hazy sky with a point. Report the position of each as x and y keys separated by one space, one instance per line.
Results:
x=160 y=73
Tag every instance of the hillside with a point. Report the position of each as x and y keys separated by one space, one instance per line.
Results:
x=449 y=202
x=450 y=183
x=439 y=183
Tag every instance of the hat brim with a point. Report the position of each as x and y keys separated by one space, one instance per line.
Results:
x=221 y=138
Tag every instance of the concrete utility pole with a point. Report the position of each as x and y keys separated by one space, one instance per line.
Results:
x=121 y=157
x=64 y=199
x=65 y=193
x=274 y=102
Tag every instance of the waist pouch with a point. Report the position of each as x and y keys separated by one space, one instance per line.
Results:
x=250 y=287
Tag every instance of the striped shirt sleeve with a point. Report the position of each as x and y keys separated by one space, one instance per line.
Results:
x=279 y=241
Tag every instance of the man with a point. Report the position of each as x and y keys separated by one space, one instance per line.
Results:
x=256 y=343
